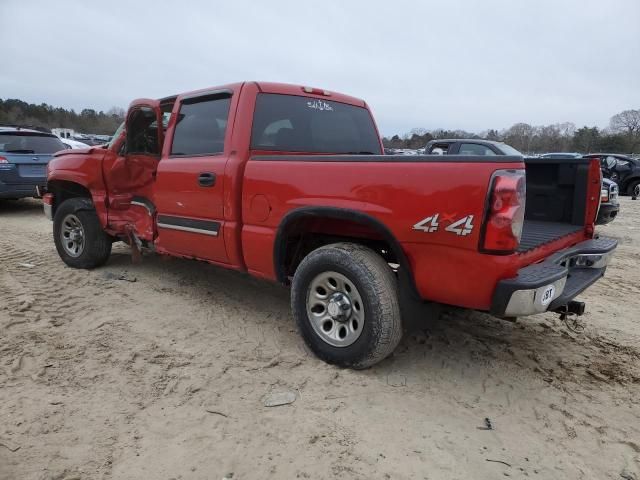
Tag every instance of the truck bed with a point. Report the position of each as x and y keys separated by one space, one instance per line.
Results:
x=556 y=200
x=537 y=233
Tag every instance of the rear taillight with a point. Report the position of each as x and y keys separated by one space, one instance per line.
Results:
x=504 y=215
x=3 y=160
x=47 y=199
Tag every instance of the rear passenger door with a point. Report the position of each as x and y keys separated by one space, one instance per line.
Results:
x=188 y=193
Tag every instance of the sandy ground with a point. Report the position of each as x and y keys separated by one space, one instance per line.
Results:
x=165 y=377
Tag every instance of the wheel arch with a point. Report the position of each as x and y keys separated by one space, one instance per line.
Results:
x=287 y=228
x=628 y=182
x=65 y=189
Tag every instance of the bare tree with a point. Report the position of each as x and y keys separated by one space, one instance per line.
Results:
x=627 y=122
x=520 y=136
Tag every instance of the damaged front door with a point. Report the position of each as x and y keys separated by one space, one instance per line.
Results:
x=131 y=173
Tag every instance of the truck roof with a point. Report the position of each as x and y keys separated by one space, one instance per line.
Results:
x=280 y=88
x=5 y=129
x=467 y=140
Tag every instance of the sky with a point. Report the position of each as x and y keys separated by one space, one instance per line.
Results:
x=454 y=64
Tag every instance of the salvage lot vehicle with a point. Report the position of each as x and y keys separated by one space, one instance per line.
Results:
x=74 y=144
x=469 y=146
x=290 y=183
x=609 y=205
x=623 y=170
x=24 y=154
x=561 y=155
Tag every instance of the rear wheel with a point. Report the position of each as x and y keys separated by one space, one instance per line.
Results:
x=78 y=235
x=634 y=188
x=345 y=301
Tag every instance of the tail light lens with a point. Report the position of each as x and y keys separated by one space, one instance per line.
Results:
x=504 y=216
x=3 y=160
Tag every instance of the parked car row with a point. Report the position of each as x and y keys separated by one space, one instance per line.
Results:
x=24 y=155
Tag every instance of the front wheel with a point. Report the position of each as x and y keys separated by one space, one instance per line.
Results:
x=344 y=298
x=634 y=188
x=78 y=235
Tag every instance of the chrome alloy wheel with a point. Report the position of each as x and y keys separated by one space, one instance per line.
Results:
x=72 y=235
x=335 y=309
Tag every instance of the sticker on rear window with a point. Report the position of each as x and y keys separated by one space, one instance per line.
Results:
x=319 y=105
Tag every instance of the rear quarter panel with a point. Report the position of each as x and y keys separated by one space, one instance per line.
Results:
x=399 y=192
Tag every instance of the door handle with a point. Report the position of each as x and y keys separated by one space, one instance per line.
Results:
x=207 y=179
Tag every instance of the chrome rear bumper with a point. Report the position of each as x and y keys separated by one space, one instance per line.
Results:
x=553 y=283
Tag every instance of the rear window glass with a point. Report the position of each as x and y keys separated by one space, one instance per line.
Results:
x=29 y=143
x=201 y=126
x=475 y=149
x=508 y=149
x=292 y=123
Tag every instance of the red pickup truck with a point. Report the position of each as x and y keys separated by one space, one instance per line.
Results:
x=290 y=184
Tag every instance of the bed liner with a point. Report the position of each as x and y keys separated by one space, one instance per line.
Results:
x=537 y=233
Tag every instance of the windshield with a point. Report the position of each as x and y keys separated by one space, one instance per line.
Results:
x=29 y=142
x=508 y=149
x=114 y=139
x=292 y=123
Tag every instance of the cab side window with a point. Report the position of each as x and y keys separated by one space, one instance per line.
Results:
x=475 y=149
x=201 y=126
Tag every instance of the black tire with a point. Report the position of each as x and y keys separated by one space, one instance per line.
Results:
x=377 y=287
x=631 y=188
x=96 y=243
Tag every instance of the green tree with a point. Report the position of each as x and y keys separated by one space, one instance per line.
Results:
x=586 y=139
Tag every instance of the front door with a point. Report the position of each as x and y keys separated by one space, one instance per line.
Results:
x=129 y=166
x=188 y=191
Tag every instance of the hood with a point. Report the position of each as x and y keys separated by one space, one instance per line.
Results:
x=74 y=151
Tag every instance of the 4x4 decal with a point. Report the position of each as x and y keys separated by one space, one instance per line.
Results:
x=428 y=225
x=462 y=227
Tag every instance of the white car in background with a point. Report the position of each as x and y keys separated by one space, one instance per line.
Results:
x=73 y=144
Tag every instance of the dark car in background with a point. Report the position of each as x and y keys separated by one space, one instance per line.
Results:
x=472 y=146
x=561 y=155
x=24 y=155
x=623 y=170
